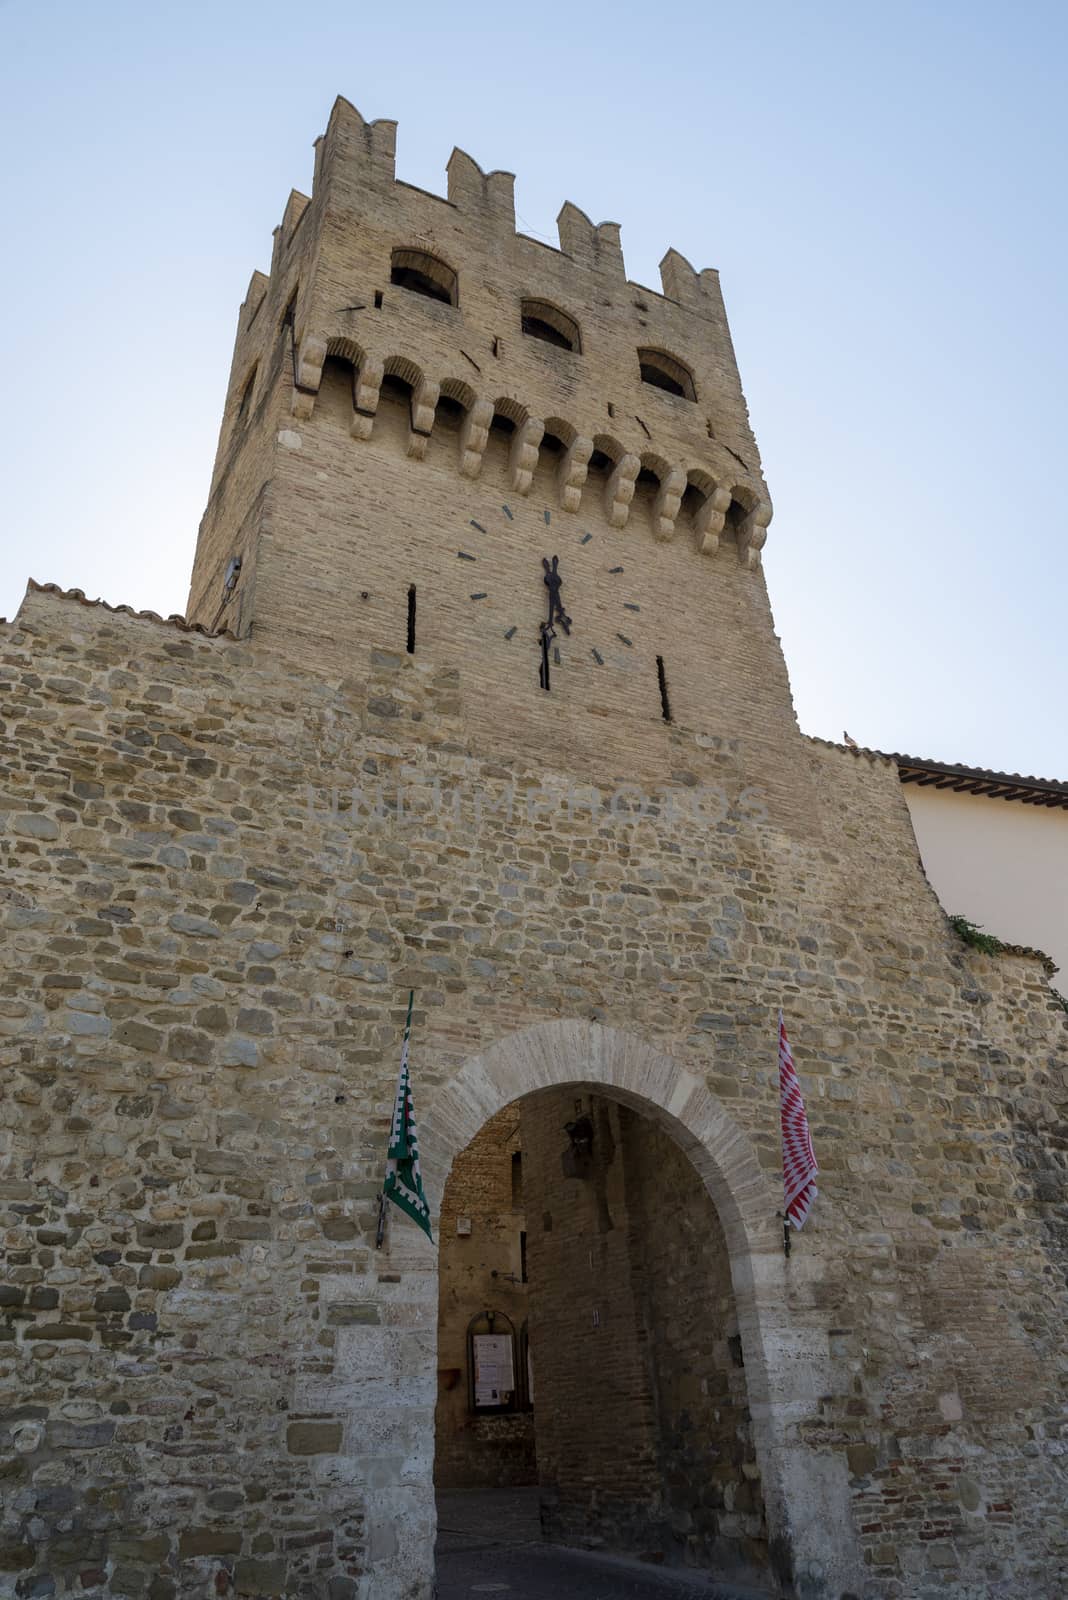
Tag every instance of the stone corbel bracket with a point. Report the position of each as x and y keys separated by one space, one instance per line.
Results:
x=571 y=474
x=308 y=375
x=752 y=533
x=474 y=436
x=424 y=401
x=619 y=490
x=667 y=503
x=365 y=390
x=524 y=454
x=753 y=510
x=708 y=522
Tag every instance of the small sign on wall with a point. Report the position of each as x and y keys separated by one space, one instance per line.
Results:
x=494 y=1369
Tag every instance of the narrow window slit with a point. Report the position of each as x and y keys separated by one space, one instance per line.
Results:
x=661 y=678
x=378 y=299
x=411 y=620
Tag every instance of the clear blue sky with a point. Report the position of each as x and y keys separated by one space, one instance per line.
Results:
x=882 y=187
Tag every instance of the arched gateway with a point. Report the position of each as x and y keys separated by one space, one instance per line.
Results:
x=806 y=1499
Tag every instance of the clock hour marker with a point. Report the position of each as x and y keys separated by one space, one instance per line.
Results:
x=477 y=525
x=480 y=596
x=625 y=639
x=628 y=605
x=509 y=632
x=586 y=537
x=463 y=556
x=547 y=517
x=508 y=513
x=615 y=569
x=598 y=657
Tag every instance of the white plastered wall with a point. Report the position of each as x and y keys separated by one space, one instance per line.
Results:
x=1002 y=864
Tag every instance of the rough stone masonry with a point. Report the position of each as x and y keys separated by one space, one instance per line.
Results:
x=602 y=854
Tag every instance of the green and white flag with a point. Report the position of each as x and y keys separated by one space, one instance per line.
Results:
x=404 y=1182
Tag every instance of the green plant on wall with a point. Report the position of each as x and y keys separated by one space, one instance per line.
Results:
x=972 y=934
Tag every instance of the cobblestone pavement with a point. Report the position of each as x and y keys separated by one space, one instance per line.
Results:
x=489 y=1543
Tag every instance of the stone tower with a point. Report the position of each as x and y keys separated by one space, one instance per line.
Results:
x=479 y=696
x=424 y=404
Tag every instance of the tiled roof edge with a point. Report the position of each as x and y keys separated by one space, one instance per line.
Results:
x=173 y=621
x=975 y=780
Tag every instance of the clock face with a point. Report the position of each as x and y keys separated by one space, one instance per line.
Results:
x=546 y=570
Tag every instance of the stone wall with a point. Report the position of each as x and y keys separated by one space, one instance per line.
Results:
x=480 y=1268
x=209 y=1375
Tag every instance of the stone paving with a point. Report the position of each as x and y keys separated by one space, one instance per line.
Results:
x=489 y=1543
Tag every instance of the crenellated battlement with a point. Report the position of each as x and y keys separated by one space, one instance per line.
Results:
x=436 y=290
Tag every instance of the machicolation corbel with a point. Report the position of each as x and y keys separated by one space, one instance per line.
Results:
x=571 y=474
x=474 y=436
x=619 y=490
x=425 y=395
x=667 y=503
x=752 y=533
x=366 y=387
x=524 y=453
x=309 y=375
x=709 y=518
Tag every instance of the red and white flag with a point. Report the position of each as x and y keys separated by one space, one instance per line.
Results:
x=799 y=1167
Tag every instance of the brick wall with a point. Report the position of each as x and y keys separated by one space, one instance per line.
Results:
x=641 y=1407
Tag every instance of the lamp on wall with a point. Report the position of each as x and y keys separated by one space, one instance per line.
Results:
x=577 y=1159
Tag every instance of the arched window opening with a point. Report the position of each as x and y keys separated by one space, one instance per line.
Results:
x=662 y=371
x=421 y=273
x=600 y=465
x=546 y=322
x=502 y=425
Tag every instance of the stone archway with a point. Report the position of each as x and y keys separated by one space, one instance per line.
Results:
x=806 y=1494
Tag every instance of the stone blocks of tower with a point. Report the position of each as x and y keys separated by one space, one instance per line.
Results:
x=426 y=403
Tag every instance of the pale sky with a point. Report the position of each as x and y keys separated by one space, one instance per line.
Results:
x=881 y=186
